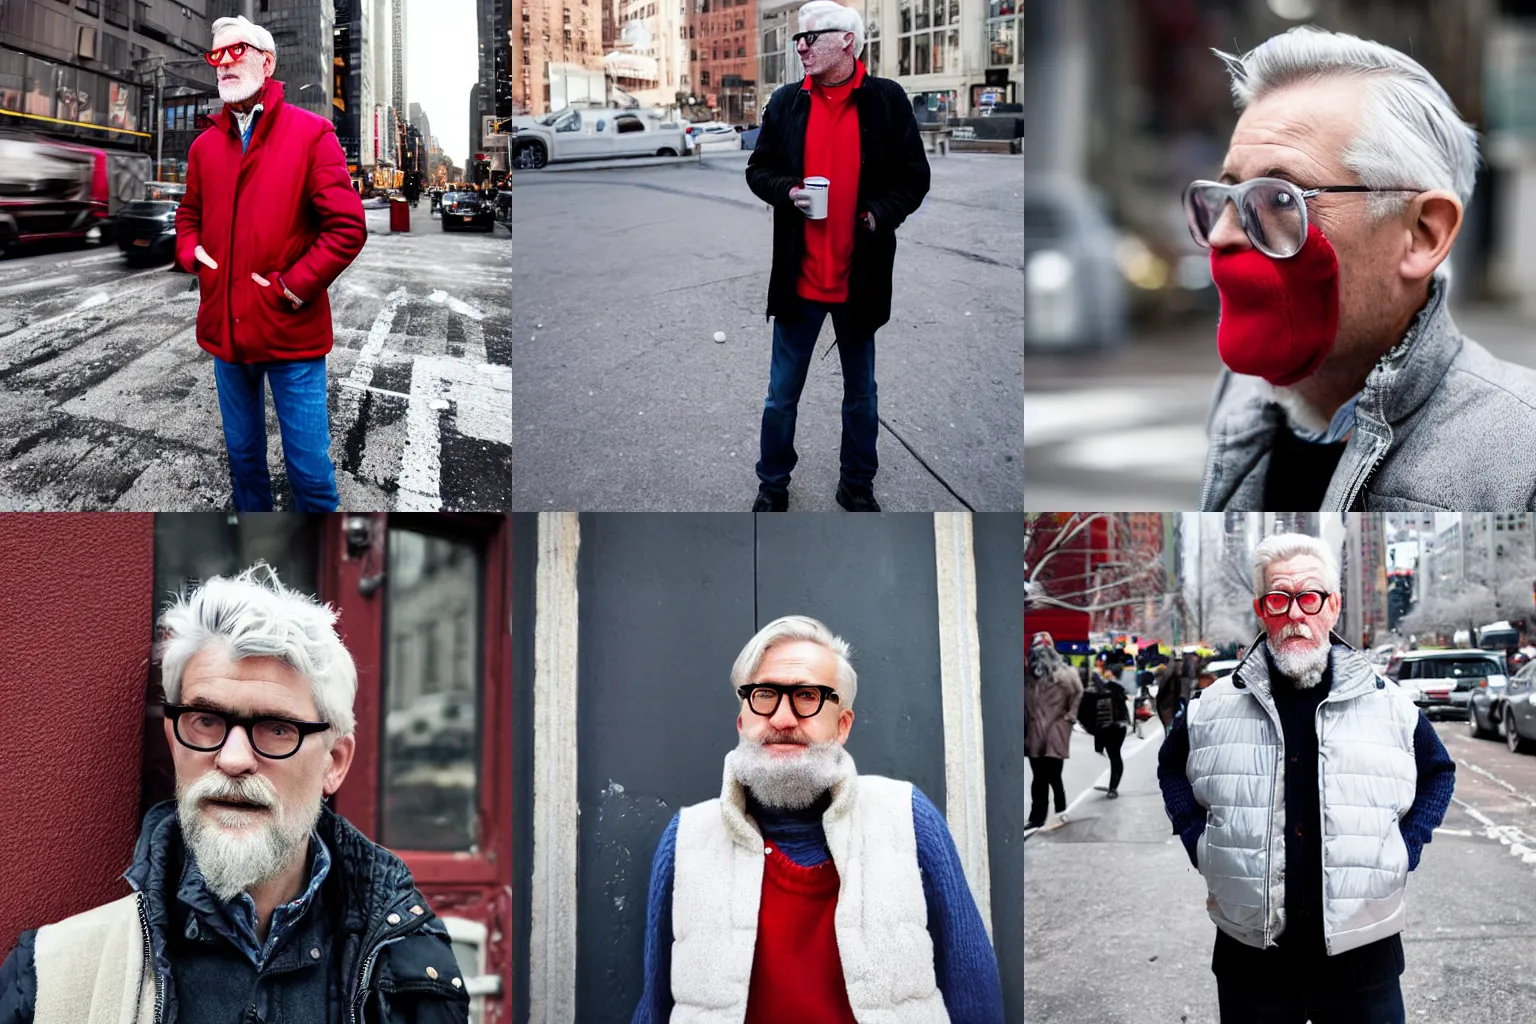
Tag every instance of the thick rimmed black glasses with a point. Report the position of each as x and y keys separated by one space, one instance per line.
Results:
x=805 y=701
x=1272 y=211
x=811 y=37
x=206 y=729
x=1278 y=602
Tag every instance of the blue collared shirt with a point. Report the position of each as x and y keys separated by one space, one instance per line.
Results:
x=1338 y=428
x=235 y=920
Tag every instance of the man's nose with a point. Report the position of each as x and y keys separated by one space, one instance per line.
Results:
x=226 y=58
x=783 y=718
x=1295 y=612
x=1228 y=231
x=236 y=756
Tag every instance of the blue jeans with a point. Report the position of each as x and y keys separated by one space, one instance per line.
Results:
x=1290 y=1001
x=299 y=395
x=794 y=342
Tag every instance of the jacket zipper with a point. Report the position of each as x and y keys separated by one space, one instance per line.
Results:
x=1317 y=727
x=367 y=968
x=149 y=961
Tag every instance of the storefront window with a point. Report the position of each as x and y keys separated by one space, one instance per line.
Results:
x=13 y=77
x=39 y=88
x=1000 y=37
x=68 y=101
x=432 y=692
x=921 y=53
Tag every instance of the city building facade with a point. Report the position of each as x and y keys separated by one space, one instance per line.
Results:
x=723 y=40
x=548 y=36
x=648 y=59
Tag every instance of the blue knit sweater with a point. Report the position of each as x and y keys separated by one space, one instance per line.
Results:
x=963 y=961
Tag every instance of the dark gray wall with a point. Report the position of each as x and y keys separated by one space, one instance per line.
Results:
x=525 y=552
x=999 y=539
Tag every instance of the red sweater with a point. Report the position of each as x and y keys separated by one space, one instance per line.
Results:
x=797 y=974
x=832 y=152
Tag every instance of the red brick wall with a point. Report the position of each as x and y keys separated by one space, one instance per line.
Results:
x=75 y=622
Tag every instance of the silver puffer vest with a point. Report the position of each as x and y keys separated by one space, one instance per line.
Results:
x=1366 y=779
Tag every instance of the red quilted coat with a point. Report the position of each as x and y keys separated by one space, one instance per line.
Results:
x=285 y=209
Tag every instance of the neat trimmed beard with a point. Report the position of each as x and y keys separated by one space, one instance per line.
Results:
x=790 y=784
x=1305 y=668
x=251 y=81
x=232 y=864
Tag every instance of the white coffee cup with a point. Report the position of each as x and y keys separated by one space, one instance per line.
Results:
x=817 y=187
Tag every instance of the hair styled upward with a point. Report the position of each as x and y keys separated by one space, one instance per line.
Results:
x=254 y=615
x=243 y=30
x=1283 y=546
x=797 y=627
x=1410 y=134
x=827 y=15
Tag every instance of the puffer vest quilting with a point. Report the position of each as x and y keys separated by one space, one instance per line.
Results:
x=881 y=918
x=1366 y=777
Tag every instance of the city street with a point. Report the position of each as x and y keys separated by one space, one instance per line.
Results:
x=107 y=402
x=624 y=400
x=1116 y=929
x=1126 y=429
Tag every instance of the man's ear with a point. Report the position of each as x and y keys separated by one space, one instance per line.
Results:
x=1435 y=222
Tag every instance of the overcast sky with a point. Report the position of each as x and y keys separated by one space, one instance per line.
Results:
x=442 y=62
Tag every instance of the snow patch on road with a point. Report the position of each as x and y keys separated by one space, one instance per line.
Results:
x=459 y=306
x=37 y=284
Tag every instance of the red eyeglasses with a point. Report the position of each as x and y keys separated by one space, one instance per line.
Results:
x=1278 y=602
x=235 y=51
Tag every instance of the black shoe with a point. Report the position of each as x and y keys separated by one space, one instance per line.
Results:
x=771 y=501
x=862 y=500
x=1111 y=794
x=1034 y=824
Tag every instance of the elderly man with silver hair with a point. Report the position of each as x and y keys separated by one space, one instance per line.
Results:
x=806 y=891
x=840 y=161
x=268 y=222
x=1304 y=787
x=1348 y=385
x=251 y=899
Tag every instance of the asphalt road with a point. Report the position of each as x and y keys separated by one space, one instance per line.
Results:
x=622 y=400
x=107 y=402
x=1125 y=429
x=1116 y=930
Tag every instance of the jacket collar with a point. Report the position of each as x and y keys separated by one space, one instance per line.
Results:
x=733 y=801
x=1352 y=672
x=1245 y=415
x=271 y=98
x=858 y=77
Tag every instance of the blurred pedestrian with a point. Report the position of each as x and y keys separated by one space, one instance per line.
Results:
x=1113 y=724
x=1343 y=190
x=1170 y=696
x=834 y=246
x=1304 y=787
x=1052 y=690
x=264 y=263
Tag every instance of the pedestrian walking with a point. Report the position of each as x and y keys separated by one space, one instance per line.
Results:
x=1307 y=869
x=1330 y=232
x=251 y=898
x=1052 y=691
x=268 y=222
x=807 y=891
x=1170 y=697
x=840 y=160
x=1114 y=721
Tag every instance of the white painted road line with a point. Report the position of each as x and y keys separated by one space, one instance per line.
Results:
x=1126 y=753
x=1478 y=769
x=362 y=370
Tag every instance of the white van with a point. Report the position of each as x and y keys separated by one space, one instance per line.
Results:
x=594 y=133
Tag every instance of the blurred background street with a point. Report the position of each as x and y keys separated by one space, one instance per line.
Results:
x=1128 y=105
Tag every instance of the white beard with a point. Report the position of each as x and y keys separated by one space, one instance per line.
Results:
x=233 y=863
x=249 y=84
x=1304 y=667
x=791 y=784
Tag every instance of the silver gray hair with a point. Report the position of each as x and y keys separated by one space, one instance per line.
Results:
x=1282 y=546
x=243 y=30
x=1410 y=133
x=255 y=615
x=826 y=14
x=797 y=627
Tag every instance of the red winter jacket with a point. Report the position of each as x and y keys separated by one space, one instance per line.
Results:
x=285 y=209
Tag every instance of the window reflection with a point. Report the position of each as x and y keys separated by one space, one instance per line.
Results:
x=431 y=692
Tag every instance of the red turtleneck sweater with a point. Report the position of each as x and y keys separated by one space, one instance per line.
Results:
x=832 y=152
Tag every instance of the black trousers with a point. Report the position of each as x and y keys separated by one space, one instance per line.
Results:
x=1045 y=780
x=1113 y=739
x=1296 y=1004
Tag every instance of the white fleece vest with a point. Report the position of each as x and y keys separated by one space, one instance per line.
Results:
x=1366 y=779
x=93 y=968
x=881 y=918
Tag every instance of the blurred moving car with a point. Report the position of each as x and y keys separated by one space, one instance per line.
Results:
x=51 y=190
x=146 y=228
x=1516 y=711
x=1442 y=683
x=468 y=209
x=1074 y=291
x=714 y=135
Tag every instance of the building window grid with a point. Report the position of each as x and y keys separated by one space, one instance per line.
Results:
x=1005 y=32
x=928 y=36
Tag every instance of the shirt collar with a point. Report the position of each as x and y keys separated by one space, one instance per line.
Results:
x=1338 y=428
x=235 y=919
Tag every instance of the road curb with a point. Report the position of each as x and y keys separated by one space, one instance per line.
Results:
x=606 y=165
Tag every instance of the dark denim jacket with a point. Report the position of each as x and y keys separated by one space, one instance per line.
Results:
x=376 y=933
x=1441 y=424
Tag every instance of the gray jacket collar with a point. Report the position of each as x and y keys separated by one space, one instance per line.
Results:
x=1352 y=671
x=1244 y=415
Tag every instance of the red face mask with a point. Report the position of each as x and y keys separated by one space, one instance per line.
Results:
x=1279 y=318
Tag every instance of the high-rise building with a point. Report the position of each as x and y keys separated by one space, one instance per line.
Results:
x=398 y=92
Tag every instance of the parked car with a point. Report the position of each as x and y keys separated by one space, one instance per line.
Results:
x=1442 y=683
x=1516 y=711
x=594 y=133
x=1074 y=290
x=468 y=209
x=146 y=228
